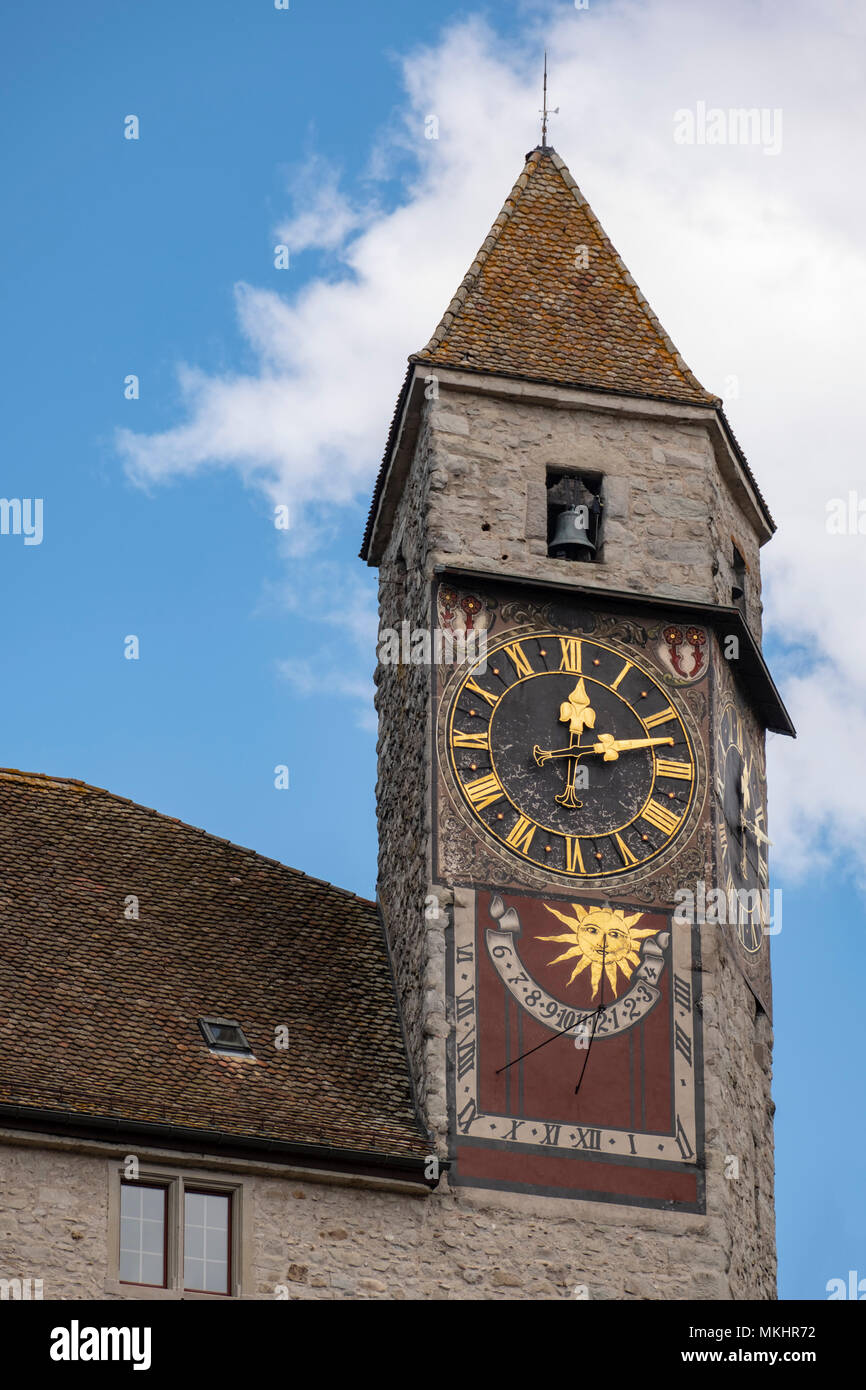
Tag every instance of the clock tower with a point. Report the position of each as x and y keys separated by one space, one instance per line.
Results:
x=572 y=815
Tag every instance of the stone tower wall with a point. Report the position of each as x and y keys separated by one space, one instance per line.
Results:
x=475 y=497
x=414 y=924
x=670 y=520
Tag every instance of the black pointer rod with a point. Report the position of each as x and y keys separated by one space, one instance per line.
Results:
x=561 y=1033
x=594 y=1022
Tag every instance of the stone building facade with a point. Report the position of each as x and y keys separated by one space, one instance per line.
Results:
x=358 y=1162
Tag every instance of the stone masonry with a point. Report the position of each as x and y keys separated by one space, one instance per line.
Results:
x=317 y=1240
x=669 y=519
x=475 y=498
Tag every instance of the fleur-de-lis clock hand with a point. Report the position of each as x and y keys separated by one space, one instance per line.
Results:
x=607 y=745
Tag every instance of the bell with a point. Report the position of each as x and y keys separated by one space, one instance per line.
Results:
x=570 y=535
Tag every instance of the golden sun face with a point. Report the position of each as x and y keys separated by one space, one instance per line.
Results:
x=600 y=937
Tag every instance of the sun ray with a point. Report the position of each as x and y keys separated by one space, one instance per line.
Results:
x=577 y=969
x=569 y=921
x=566 y=955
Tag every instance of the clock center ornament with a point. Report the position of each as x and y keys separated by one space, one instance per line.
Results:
x=578 y=714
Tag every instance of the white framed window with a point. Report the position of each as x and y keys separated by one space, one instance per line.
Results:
x=207 y=1240
x=175 y=1234
x=143 y=1256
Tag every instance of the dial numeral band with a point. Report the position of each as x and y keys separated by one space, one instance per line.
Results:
x=660 y=817
x=662 y=717
x=483 y=791
x=672 y=767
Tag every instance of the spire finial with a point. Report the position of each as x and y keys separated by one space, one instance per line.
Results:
x=544 y=111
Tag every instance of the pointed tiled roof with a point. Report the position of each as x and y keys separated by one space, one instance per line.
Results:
x=531 y=310
x=527 y=307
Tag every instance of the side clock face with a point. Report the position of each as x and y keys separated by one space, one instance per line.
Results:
x=571 y=755
x=742 y=833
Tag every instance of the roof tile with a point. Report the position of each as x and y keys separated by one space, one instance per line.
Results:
x=526 y=308
x=98 y=1013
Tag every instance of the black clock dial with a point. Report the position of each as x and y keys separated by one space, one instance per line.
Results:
x=742 y=831
x=571 y=755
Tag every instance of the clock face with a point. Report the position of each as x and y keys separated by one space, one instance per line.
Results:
x=743 y=832
x=571 y=755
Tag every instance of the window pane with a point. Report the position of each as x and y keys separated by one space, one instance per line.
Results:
x=216 y=1211
x=152 y=1237
x=194 y=1241
x=195 y=1208
x=214 y=1277
x=206 y=1241
x=128 y=1229
x=152 y=1203
x=151 y=1270
x=142 y=1234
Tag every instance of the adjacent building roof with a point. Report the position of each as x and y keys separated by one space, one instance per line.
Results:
x=548 y=296
x=99 y=1009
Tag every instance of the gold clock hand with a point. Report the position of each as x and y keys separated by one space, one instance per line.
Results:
x=612 y=747
x=607 y=745
x=543 y=755
x=756 y=831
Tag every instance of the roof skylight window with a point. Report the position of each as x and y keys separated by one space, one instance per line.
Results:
x=224 y=1035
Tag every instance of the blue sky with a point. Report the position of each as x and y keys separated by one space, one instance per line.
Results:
x=125 y=257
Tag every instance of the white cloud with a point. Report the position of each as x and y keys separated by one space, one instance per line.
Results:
x=754 y=263
x=307 y=677
x=324 y=217
x=329 y=599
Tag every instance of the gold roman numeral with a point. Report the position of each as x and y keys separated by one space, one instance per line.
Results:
x=622 y=675
x=626 y=854
x=483 y=791
x=485 y=694
x=461 y=740
x=673 y=767
x=520 y=837
x=660 y=817
x=573 y=856
x=570 y=655
x=661 y=718
x=519 y=660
